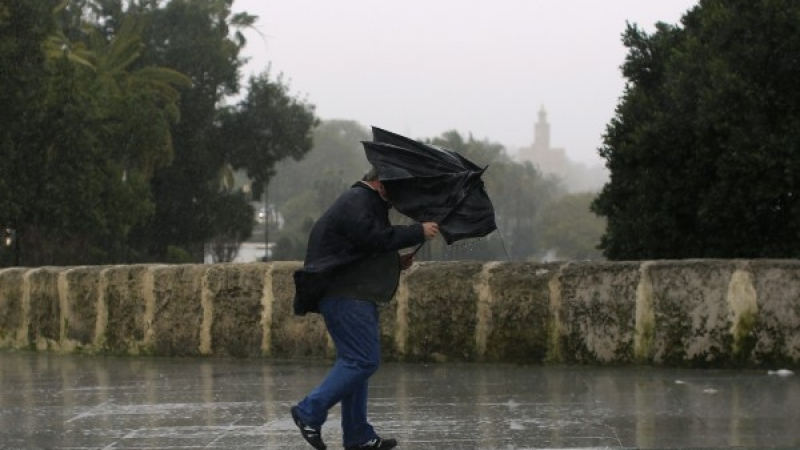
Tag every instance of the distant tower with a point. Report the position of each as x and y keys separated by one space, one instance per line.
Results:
x=541 y=135
x=554 y=161
x=546 y=158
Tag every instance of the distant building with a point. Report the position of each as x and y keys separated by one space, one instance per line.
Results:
x=577 y=177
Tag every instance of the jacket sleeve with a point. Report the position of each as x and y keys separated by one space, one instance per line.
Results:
x=362 y=223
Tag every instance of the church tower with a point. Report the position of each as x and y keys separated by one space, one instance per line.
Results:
x=541 y=134
x=554 y=161
x=546 y=158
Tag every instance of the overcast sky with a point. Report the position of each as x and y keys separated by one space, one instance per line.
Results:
x=423 y=67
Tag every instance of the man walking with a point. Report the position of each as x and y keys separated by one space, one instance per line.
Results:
x=356 y=244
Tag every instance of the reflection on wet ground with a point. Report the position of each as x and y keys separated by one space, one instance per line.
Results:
x=83 y=402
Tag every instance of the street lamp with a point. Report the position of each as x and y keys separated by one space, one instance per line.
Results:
x=8 y=239
x=8 y=236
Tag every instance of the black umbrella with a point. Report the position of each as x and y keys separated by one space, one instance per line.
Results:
x=429 y=183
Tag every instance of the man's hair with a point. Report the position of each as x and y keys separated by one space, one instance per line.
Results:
x=371 y=174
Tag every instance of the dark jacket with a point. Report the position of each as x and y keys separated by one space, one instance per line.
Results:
x=355 y=227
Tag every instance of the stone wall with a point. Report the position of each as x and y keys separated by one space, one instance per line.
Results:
x=694 y=313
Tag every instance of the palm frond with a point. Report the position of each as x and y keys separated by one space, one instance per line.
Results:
x=163 y=75
x=57 y=46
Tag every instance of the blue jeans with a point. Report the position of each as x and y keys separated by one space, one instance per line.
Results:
x=353 y=326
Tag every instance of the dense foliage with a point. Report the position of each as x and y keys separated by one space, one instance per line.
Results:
x=704 y=150
x=115 y=139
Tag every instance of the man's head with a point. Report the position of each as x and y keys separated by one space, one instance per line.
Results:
x=371 y=178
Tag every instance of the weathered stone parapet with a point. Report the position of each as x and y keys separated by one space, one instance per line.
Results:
x=695 y=313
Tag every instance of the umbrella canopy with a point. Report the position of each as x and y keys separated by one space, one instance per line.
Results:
x=432 y=184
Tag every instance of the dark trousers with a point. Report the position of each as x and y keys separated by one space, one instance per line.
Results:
x=353 y=326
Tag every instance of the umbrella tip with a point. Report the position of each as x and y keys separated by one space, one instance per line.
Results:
x=377 y=130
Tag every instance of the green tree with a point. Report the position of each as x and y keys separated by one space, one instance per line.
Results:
x=233 y=224
x=567 y=229
x=200 y=38
x=268 y=126
x=24 y=26
x=704 y=149
x=192 y=37
x=73 y=191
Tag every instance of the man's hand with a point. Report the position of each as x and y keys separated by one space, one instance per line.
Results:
x=431 y=230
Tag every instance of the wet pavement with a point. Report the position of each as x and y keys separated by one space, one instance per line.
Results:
x=52 y=401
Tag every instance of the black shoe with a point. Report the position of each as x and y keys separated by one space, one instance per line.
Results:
x=312 y=435
x=375 y=444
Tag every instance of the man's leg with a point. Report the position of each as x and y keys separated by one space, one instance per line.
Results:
x=355 y=428
x=353 y=326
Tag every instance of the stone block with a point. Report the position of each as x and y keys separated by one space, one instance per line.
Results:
x=597 y=312
x=236 y=295
x=178 y=310
x=13 y=317
x=518 y=314
x=777 y=329
x=44 y=327
x=442 y=312
x=691 y=312
x=80 y=314
x=122 y=323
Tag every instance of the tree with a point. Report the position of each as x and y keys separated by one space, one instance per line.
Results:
x=268 y=126
x=704 y=149
x=88 y=130
x=24 y=26
x=192 y=37
x=233 y=224
x=114 y=134
x=566 y=228
x=197 y=37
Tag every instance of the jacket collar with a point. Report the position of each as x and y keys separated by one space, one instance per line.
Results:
x=364 y=185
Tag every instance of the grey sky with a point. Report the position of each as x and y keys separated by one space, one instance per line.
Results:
x=423 y=67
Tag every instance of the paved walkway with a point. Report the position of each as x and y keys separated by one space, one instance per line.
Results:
x=81 y=402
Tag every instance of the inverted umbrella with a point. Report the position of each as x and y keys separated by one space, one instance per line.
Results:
x=429 y=183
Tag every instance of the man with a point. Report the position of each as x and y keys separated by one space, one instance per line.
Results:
x=357 y=246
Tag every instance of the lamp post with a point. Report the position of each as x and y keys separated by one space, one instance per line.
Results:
x=266 y=223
